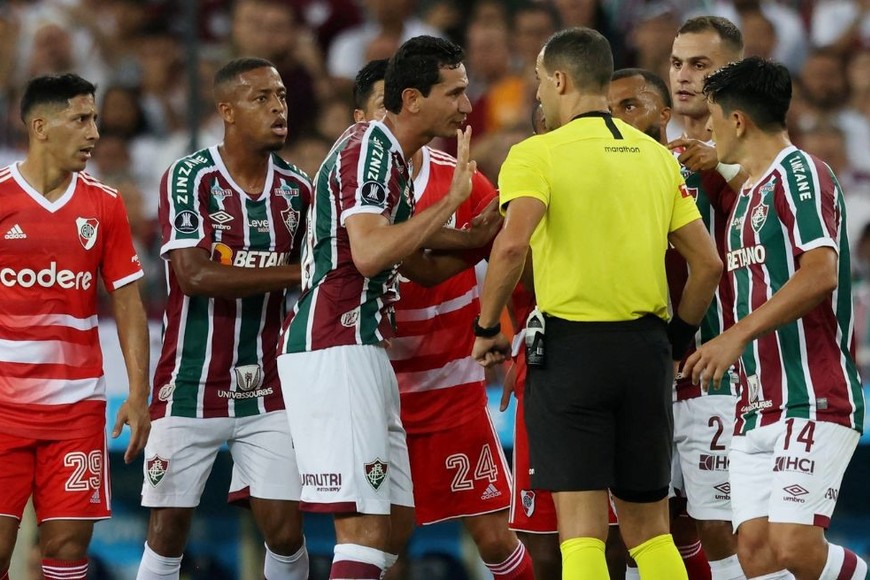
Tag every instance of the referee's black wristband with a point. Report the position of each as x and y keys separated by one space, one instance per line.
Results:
x=680 y=334
x=485 y=332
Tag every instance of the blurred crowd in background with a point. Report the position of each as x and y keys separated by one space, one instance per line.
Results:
x=150 y=58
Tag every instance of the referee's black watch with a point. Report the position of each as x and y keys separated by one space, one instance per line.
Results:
x=485 y=332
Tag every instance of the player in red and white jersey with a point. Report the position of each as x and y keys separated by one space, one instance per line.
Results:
x=457 y=464
x=62 y=230
x=232 y=217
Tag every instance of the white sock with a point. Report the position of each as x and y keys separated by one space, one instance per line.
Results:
x=781 y=575
x=632 y=573
x=293 y=567
x=156 y=567
x=727 y=569
x=840 y=562
x=356 y=561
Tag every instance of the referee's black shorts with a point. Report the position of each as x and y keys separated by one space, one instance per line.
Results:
x=599 y=414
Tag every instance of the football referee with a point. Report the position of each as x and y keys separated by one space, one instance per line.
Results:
x=598 y=202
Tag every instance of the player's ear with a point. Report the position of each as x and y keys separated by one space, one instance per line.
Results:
x=411 y=100
x=225 y=110
x=665 y=116
x=38 y=127
x=358 y=116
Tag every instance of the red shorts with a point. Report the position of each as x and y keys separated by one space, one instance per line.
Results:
x=69 y=479
x=459 y=472
x=532 y=510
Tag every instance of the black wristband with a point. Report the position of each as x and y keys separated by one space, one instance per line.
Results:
x=485 y=332
x=680 y=334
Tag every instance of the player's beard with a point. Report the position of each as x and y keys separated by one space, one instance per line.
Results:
x=655 y=131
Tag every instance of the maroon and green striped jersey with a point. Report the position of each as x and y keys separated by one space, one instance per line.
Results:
x=218 y=357
x=714 y=200
x=805 y=368
x=365 y=172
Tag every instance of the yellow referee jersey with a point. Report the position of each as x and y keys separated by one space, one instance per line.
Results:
x=613 y=194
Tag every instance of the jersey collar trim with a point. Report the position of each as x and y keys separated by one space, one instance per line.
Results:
x=267 y=185
x=422 y=179
x=52 y=206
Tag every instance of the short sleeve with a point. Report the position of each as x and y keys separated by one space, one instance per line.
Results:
x=523 y=174
x=363 y=176
x=120 y=265
x=182 y=223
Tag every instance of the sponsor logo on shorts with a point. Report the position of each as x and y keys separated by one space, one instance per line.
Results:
x=724 y=490
x=527 y=498
x=832 y=493
x=155 y=469
x=794 y=464
x=165 y=392
x=249 y=377
x=713 y=462
x=490 y=492
x=322 y=481
x=376 y=473
x=95 y=497
x=794 y=492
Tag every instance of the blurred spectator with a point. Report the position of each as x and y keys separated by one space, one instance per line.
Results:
x=499 y=97
x=308 y=152
x=759 y=34
x=493 y=12
x=841 y=24
x=592 y=14
x=652 y=37
x=828 y=142
x=391 y=19
x=335 y=116
x=327 y=18
x=791 y=34
x=269 y=29
x=533 y=24
x=445 y=16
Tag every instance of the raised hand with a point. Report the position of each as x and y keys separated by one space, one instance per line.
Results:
x=460 y=187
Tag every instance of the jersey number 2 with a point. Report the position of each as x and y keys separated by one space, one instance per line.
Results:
x=485 y=469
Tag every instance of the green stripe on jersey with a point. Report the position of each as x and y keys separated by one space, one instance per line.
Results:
x=801 y=189
x=194 y=357
x=248 y=350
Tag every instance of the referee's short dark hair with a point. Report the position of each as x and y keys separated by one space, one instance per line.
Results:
x=759 y=88
x=584 y=54
x=53 y=90
x=651 y=78
x=727 y=30
x=417 y=65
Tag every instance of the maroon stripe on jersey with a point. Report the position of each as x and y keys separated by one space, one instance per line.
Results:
x=169 y=352
x=274 y=311
x=221 y=356
x=822 y=522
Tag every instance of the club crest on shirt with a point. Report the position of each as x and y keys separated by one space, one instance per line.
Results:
x=87 y=228
x=759 y=216
x=527 y=497
x=249 y=377
x=155 y=468
x=376 y=473
x=290 y=217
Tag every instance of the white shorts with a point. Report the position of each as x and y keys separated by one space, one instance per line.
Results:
x=343 y=406
x=703 y=427
x=181 y=451
x=790 y=471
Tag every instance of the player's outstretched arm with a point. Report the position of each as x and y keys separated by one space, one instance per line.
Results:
x=484 y=228
x=199 y=275
x=431 y=268
x=377 y=245
x=133 y=336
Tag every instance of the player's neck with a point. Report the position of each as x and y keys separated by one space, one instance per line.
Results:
x=582 y=104
x=48 y=180
x=246 y=166
x=409 y=139
x=695 y=128
x=758 y=152
x=416 y=163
